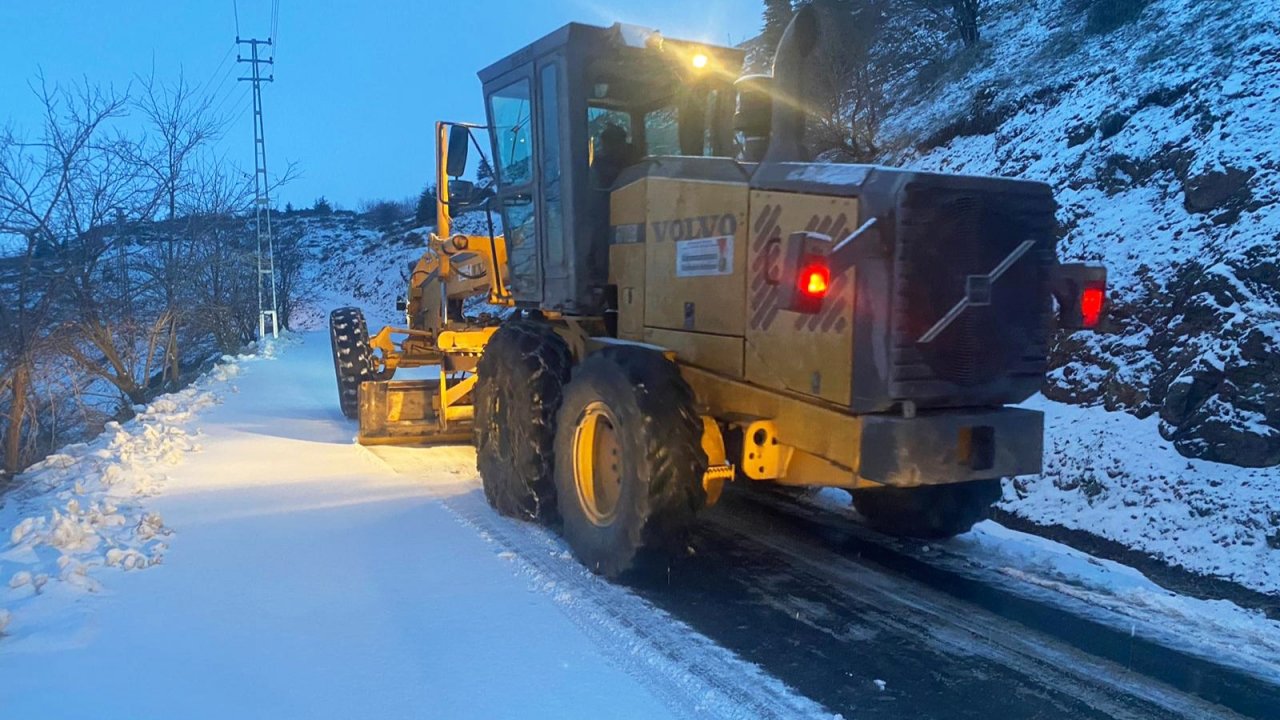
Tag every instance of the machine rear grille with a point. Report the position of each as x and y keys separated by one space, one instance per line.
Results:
x=949 y=243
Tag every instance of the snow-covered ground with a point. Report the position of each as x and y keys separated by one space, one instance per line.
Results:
x=1112 y=475
x=297 y=574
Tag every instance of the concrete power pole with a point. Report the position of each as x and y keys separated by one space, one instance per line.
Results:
x=267 y=307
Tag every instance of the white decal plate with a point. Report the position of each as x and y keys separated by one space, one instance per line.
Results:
x=701 y=257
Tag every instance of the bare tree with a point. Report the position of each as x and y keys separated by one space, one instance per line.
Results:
x=848 y=100
x=136 y=258
x=52 y=189
x=222 y=274
x=962 y=15
x=181 y=125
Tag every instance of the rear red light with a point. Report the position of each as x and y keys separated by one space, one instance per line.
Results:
x=815 y=280
x=1092 y=298
x=805 y=276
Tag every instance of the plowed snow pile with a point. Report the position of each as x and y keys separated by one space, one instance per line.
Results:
x=1112 y=475
x=82 y=509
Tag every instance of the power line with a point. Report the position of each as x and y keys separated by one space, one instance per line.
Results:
x=243 y=109
x=224 y=92
x=217 y=107
x=275 y=25
x=205 y=87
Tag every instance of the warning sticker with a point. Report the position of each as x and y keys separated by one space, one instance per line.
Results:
x=704 y=256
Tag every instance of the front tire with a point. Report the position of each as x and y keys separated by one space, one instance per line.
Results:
x=352 y=356
x=927 y=511
x=521 y=377
x=629 y=461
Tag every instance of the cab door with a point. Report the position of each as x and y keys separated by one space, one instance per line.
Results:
x=511 y=122
x=553 y=183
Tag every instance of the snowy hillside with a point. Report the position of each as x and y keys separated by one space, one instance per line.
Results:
x=351 y=260
x=1161 y=138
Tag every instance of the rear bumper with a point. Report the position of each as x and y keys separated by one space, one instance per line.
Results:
x=947 y=446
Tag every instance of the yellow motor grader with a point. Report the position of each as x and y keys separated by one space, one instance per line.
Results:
x=690 y=301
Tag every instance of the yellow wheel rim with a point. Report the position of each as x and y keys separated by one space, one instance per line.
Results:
x=597 y=463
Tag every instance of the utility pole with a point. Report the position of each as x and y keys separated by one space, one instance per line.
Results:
x=261 y=188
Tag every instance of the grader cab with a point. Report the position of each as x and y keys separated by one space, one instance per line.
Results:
x=691 y=301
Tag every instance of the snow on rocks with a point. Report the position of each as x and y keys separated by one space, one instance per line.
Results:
x=84 y=507
x=1112 y=475
x=1160 y=143
x=1159 y=138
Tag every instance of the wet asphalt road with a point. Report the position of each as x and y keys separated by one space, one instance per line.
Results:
x=806 y=602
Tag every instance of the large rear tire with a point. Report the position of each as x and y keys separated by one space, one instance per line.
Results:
x=521 y=377
x=629 y=461
x=352 y=356
x=927 y=511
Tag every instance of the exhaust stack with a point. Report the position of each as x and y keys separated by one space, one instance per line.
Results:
x=790 y=88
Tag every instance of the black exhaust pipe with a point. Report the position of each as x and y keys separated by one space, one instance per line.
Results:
x=790 y=88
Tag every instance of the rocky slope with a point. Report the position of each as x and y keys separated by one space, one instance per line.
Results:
x=1162 y=139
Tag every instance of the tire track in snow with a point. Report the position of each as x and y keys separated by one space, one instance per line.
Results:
x=688 y=672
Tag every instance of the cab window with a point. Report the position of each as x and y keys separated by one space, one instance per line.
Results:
x=662 y=131
x=511 y=114
x=599 y=118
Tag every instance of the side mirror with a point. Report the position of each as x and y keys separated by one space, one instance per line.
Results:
x=456 y=161
x=461 y=193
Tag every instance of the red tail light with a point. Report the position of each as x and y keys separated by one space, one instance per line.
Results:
x=812 y=282
x=815 y=279
x=805 y=275
x=1092 y=298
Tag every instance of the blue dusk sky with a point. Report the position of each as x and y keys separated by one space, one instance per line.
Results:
x=358 y=84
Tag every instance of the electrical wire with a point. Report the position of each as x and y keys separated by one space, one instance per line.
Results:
x=235 y=7
x=230 y=91
x=244 y=107
x=275 y=27
x=206 y=85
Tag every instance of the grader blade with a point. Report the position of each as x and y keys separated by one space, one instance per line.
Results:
x=407 y=412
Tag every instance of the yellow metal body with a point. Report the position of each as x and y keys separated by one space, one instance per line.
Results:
x=453 y=267
x=780 y=379
x=719 y=469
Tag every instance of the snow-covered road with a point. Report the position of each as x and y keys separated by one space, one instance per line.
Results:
x=307 y=577
x=233 y=553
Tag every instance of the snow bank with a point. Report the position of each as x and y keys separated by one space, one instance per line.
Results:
x=1112 y=475
x=84 y=508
